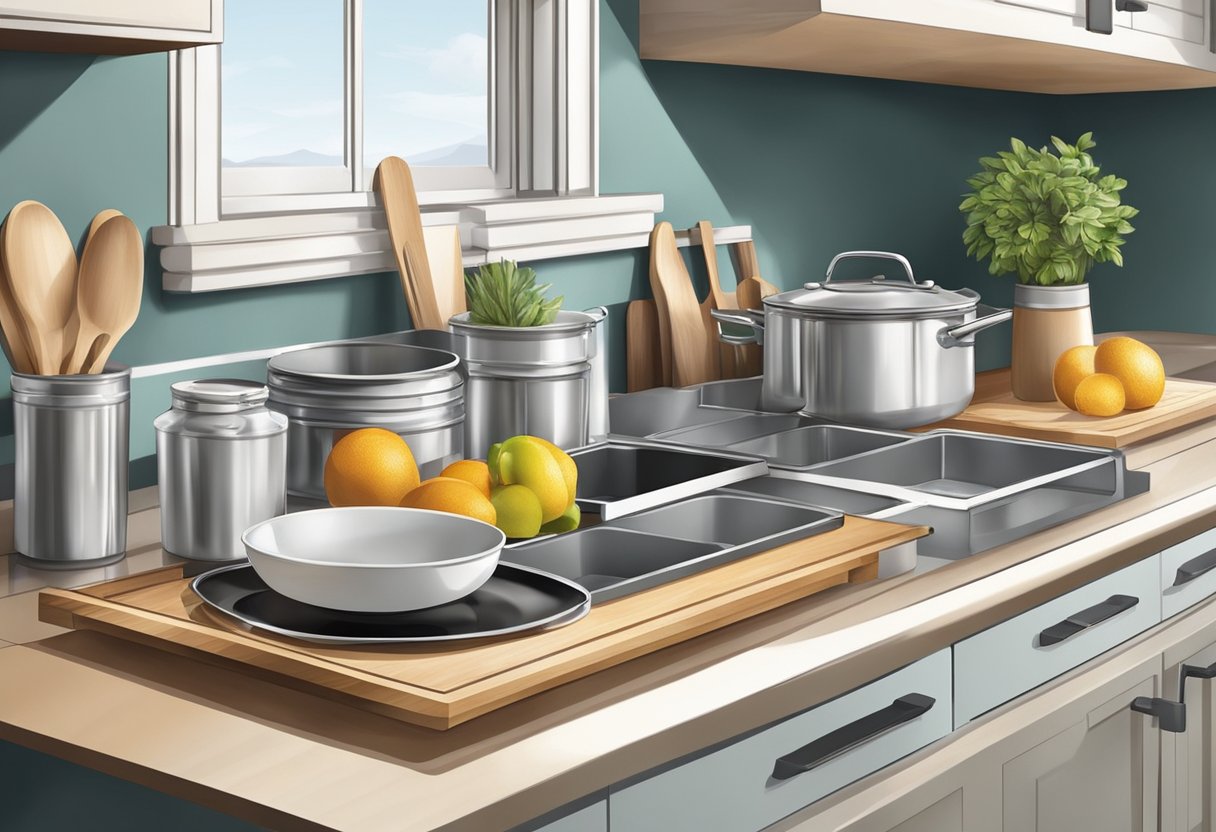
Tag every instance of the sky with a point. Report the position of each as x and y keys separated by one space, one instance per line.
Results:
x=425 y=78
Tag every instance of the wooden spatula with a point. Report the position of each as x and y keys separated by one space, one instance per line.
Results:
x=395 y=184
x=694 y=356
x=41 y=265
x=108 y=292
x=750 y=294
x=12 y=330
x=447 y=271
x=729 y=355
x=743 y=256
x=643 y=368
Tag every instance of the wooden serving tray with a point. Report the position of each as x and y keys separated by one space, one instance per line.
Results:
x=994 y=409
x=442 y=685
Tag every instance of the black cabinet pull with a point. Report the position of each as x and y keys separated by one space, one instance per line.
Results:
x=1083 y=620
x=847 y=737
x=1196 y=566
x=1099 y=16
x=1131 y=6
x=1171 y=715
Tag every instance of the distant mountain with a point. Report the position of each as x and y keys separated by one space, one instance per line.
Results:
x=296 y=159
x=465 y=154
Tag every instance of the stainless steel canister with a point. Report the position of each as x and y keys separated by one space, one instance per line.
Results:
x=533 y=380
x=326 y=392
x=597 y=403
x=221 y=460
x=72 y=436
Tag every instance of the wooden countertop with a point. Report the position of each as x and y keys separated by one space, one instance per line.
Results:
x=283 y=758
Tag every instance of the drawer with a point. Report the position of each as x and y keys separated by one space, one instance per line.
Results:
x=1009 y=659
x=1188 y=573
x=741 y=787
x=1170 y=23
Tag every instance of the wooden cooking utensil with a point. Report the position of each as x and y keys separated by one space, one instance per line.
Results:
x=41 y=265
x=99 y=219
x=694 y=355
x=395 y=184
x=447 y=270
x=12 y=331
x=71 y=333
x=108 y=292
x=743 y=256
x=642 y=363
x=728 y=355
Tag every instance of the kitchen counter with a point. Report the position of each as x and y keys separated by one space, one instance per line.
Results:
x=280 y=758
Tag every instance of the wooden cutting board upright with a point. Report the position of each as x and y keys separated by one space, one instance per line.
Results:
x=443 y=684
x=994 y=409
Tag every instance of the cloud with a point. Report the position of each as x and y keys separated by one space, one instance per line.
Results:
x=235 y=69
x=462 y=60
x=313 y=109
x=466 y=110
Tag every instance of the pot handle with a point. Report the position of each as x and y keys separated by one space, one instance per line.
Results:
x=746 y=318
x=884 y=255
x=960 y=335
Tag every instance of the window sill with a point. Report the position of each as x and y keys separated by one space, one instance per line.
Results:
x=290 y=248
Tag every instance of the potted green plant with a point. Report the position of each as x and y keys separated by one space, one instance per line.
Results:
x=1048 y=218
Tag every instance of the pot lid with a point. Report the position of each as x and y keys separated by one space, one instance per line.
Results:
x=878 y=296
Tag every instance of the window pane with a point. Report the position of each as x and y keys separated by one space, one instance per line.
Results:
x=425 y=82
x=282 y=87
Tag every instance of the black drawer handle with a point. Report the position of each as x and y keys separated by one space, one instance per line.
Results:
x=1083 y=620
x=847 y=737
x=1196 y=566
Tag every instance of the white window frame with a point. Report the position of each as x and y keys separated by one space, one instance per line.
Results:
x=551 y=207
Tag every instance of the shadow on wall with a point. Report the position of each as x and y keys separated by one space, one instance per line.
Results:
x=24 y=100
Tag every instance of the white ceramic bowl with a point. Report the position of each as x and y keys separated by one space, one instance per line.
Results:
x=373 y=559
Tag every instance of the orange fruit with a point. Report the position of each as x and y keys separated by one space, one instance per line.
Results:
x=473 y=471
x=1072 y=366
x=453 y=496
x=1100 y=395
x=1137 y=366
x=369 y=467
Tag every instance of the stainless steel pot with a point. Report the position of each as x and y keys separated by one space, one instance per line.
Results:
x=881 y=353
x=535 y=380
x=325 y=392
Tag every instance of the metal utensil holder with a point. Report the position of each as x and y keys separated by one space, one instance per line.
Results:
x=72 y=435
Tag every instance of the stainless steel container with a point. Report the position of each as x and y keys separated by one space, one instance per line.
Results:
x=221 y=459
x=879 y=353
x=325 y=392
x=72 y=435
x=597 y=402
x=535 y=380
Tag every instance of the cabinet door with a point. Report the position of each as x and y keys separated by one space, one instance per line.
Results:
x=1188 y=759
x=1099 y=772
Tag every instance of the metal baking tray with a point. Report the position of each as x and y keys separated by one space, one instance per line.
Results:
x=616 y=478
x=644 y=550
x=804 y=447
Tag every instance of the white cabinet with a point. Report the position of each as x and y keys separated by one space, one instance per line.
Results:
x=109 y=27
x=1052 y=46
x=592 y=818
x=755 y=781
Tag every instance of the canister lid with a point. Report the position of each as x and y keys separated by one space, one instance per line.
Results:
x=219 y=395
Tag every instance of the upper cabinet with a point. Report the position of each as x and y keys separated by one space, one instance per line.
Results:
x=109 y=27
x=1049 y=46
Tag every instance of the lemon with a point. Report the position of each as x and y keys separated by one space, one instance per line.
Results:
x=524 y=461
x=568 y=522
x=1072 y=367
x=565 y=462
x=518 y=510
x=1138 y=368
x=453 y=496
x=1100 y=395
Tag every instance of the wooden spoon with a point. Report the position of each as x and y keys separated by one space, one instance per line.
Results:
x=694 y=352
x=108 y=292
x=41 y=265
x=71 y=333
x=12 y=330
x=395 y=184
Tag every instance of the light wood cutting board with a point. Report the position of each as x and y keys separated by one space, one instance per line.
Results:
x=445 y=684
x=994 y=409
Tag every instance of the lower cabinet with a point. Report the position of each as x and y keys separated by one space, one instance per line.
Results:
x=1071 y=755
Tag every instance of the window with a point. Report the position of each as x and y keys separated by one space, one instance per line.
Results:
x=275 y=136
x=316 y=92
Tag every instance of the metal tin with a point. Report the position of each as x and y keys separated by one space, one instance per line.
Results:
x=325 y=392
x=535 y=380
x=221 y=458
x=72 y=435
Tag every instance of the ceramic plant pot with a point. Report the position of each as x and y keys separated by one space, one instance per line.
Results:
x=1047 y=320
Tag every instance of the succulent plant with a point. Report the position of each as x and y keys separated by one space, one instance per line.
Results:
x=1047 y=217
x=504 y=294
